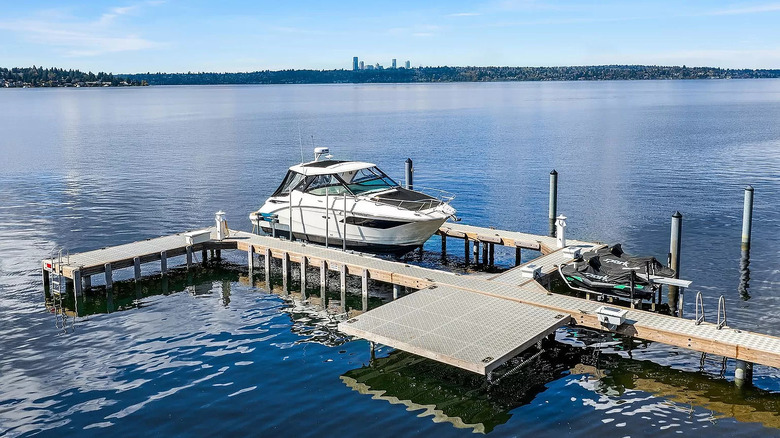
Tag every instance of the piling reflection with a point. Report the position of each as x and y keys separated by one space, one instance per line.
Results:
x=744 y=275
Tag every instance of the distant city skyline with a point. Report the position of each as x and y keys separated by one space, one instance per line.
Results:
x=358 y=64
x=240 y=35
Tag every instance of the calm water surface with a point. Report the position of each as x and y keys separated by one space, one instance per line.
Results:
x=217 y=352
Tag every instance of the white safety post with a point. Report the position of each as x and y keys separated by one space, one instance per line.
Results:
x=219 y=218
x=560 y=225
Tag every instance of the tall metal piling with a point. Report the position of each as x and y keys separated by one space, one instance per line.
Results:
x=553 y=207
x=674 y=259
x=409 y=174
x=747 y=218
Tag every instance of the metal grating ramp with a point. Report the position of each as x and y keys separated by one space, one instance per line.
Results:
x=471 y=331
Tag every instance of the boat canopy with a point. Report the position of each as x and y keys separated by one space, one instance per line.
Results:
x=335 y=178
x=328 y=167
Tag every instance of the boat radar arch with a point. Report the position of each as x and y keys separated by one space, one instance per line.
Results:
x=319 y=152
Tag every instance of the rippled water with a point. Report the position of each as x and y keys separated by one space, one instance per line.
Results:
x=214 y=352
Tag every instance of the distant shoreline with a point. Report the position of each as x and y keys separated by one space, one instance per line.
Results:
x=453 y=74
x=36 y=77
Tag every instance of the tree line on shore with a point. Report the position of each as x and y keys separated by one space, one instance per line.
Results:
x=454 y=74
x=56 y=77
x=21 y=77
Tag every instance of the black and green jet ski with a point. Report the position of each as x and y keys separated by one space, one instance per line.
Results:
x=610 y=271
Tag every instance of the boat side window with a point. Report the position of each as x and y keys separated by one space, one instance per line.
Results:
x=370 y=179
x=290 y=182
x=320 y=184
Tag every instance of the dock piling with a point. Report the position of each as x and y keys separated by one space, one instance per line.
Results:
x=396 y=291
x=77 y=285
x=137 y=268
x=364 y=288
x=204 y=256
x=189 y=256
x=86 y=281
x=443 y=246
x=409 y=174
x=674 y=259
x=250 y=255
x=476 y=252
x=518 y=255
x=747 y=218
x=491 y=254
x=109 y=276
x=553 y=207
x=343 y=285
x=323 y=277
x=466 y=249
x=267 y=266
x=285 y=271
x=304 y=265
x=743 y=374
x=485 y=253
x=164 y=262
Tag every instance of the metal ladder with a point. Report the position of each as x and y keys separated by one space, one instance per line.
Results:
x=58 y=291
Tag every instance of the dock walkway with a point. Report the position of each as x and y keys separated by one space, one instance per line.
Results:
x=465 y=321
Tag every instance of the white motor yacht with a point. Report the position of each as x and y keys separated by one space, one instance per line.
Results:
x=326 y=201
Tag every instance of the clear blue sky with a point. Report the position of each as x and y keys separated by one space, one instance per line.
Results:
x=248 y=35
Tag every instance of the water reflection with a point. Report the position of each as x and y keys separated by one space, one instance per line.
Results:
x=465 y=400
x=744 y=275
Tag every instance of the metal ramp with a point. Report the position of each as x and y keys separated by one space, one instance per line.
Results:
x=464 y=329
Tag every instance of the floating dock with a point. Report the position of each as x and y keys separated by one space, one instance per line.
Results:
x=466 y=321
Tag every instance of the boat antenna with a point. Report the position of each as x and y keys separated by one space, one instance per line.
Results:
x=300 y=141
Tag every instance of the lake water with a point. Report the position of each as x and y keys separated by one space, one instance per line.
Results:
x=211 y=353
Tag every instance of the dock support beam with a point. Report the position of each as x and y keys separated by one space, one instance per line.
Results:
x=86 y=282
x=443 y=246
x=747 y=218
x=343 y=285
x=743 y=374
x=267 y=263
x=304 y=264
x=109 y=276
x=466 y=249
x=674 y=260
x=396 y=291
x=204 y=256
x=285 y=271
x=164 y=262
x=409 y=174
x=518 y=255
x=250 y=255
x=189 y=256
x=364 y=287
x=46 y=283
x=323 y=277
x=492 y=254
x=476 y=252
x=485 y=253
x=553 y=207
x=137 y=269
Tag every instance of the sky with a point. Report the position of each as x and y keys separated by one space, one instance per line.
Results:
x=250 y=35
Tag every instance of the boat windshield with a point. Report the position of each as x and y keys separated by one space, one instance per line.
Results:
x=321 y=184
x=369 y=180
x=291 y=181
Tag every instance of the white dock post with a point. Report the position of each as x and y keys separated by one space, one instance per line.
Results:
x=304 y=264
x=396 y=291
x=189 y=256
x=553 y=208
x=560 y=235
x=674 y=259
x=476 y=252
x=343 y=286
x=250 y=255
x=77 y=286
x=267 y=266
x=164 y=262
x=747 y=218
x=109 y=276
x=137 y=268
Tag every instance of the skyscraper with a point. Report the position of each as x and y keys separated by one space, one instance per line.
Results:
x=408 y=64
x=362 y=65
x=355 y=63
x=393 y=62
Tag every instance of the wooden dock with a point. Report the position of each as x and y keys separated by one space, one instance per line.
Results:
x=465 y=321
